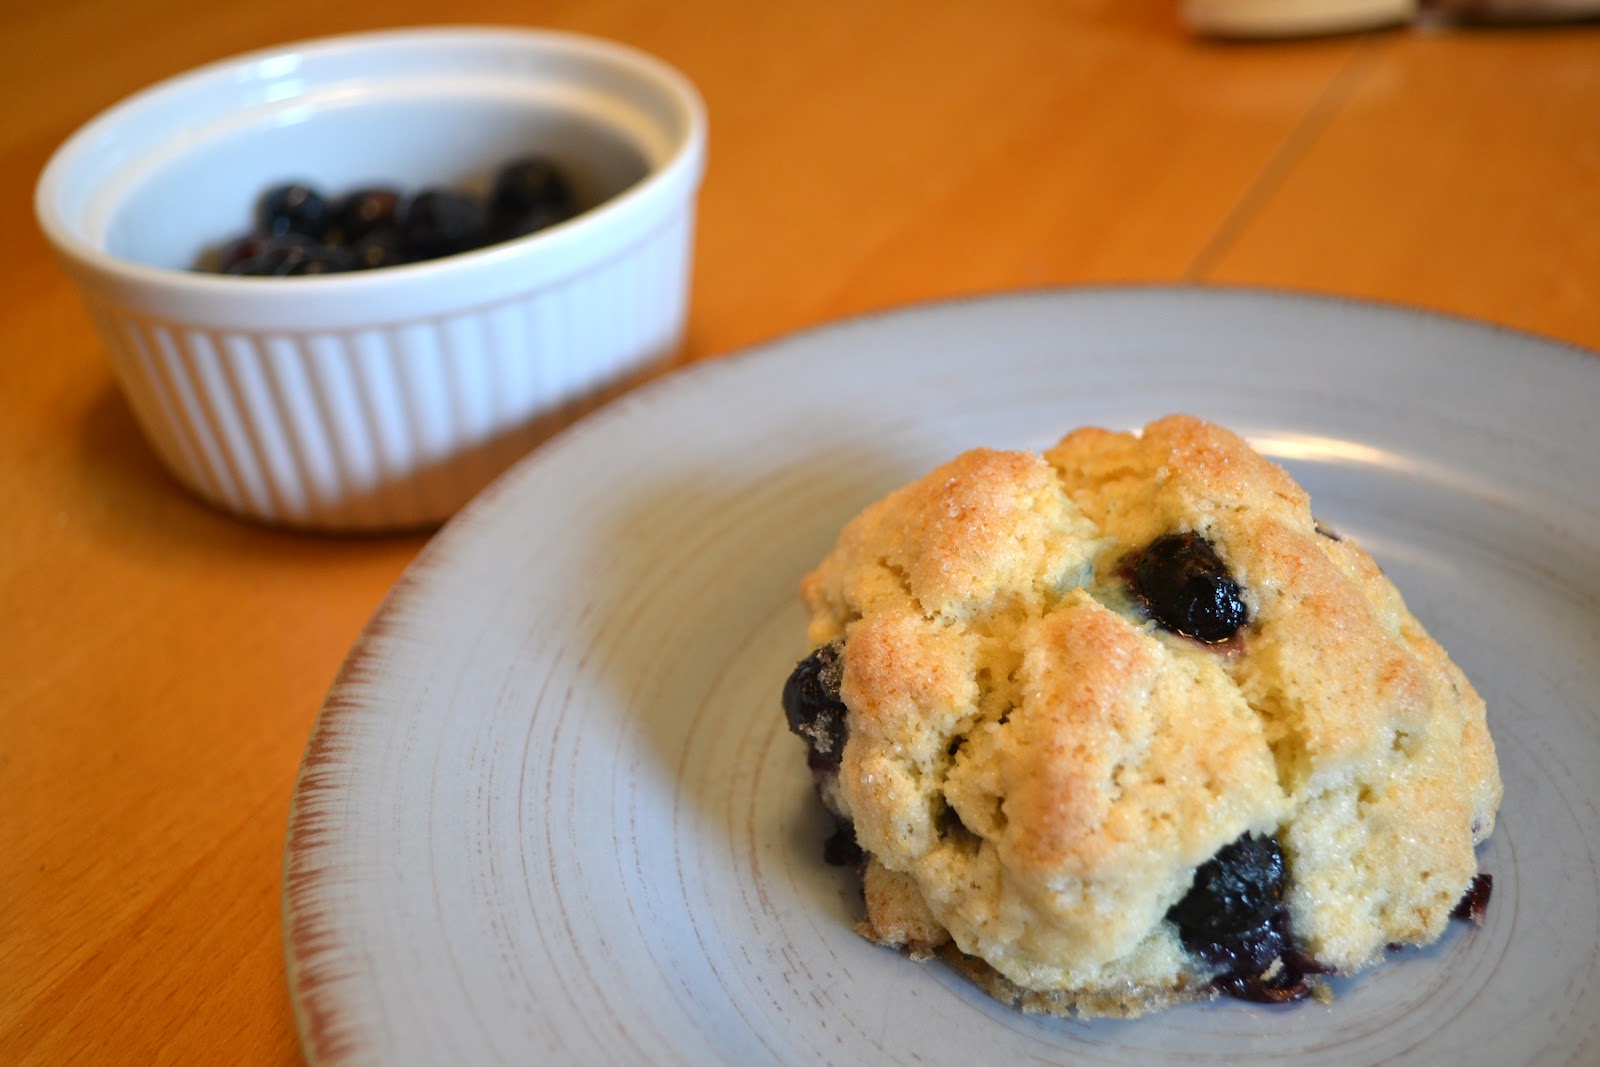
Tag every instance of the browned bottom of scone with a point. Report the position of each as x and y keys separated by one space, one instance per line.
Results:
x=1115 y=1004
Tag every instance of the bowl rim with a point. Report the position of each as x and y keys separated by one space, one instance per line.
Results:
x=642 y=206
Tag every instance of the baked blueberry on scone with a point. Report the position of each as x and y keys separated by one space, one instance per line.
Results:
x=1120 y=726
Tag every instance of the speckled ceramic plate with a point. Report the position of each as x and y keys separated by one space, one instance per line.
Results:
x=550 y=812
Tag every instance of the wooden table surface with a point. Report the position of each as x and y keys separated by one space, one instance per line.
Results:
x=161 y=663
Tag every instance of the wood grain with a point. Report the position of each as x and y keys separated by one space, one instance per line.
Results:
x=163 y=663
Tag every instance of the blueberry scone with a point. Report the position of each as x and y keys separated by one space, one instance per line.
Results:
x=1120 y=726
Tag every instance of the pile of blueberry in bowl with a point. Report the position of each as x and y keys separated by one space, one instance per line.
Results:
x=533 y=192
x=300 y=229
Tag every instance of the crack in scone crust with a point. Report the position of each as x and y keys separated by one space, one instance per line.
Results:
x=1035 y=767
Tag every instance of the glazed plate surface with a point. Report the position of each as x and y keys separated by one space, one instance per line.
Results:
x=550 y=811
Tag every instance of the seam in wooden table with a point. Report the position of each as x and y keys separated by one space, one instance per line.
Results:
x=1305 y=133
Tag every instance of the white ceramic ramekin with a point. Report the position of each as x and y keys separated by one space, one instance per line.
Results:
x=378 y=399
x=1293 y=18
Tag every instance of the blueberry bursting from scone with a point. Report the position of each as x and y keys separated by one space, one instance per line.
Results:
x=1121 y=726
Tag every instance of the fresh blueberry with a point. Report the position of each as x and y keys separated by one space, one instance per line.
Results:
x=323 y=259
x=441 y=222
x=293 y=207
x=529 y=194
x=275 y=257
x=381 y=248
x=239 y=251
x=361 y=213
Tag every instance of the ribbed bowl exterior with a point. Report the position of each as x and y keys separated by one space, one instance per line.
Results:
x=384 y=399
x=395 y=426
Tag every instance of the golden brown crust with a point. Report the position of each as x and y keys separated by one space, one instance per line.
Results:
x=897 y=916
x=986 y=524
x=1037 y=769
x=1110 y=1001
